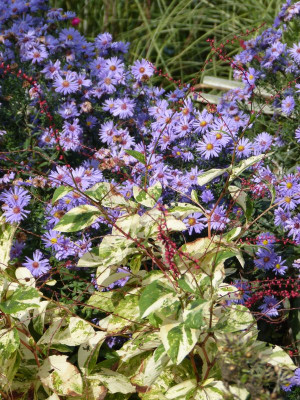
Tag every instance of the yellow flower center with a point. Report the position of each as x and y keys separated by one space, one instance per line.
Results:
x=287 y=199
x=219 y=136
x=265 y=242
x=241 y=148
x=277 y=266
x=53 y=240
x=192 y=221
x=209 y=146
x=178 y=153
x=203 y=123
x=251 y=77
x=289 y=185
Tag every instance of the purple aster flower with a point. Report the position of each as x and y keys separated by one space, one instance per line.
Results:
x=296 y=263
x=297 y=134
x=83 y=81
x=242 y=294
x=250 y=76
x=15 y=195
x=193 y=175
x=69 y=141
x=82 y=246
x=15 y=200
x=66 y=248
x=266 y=239
x=51 y=239
x=67 y=84
x=162 y=174
x=38 y=54
x=295 y=380
x=142 y=70
x=293 y=226
x=14 y=213
x=243 y=148
x=69 y=37
x=180 y=183
x=68 y=110
x=279 y=267
x=295 y=52
x=108 y=82
x=91 y=121
x=38 y=266
x=194 y=222
x=103 y=41
x=97 y=65
x=72 y=128
x=207 y=196
x=222 y=138
x=270 y=306
x=183 y=127
x=47 y=138
x=262 y=143
x=288 y=105
x=266 y=259
x=17 y=249
x=116 y=66
x=51 y=69
x=289 y=185
x=219 y=219
x=123 y=108
x=208 y=147
x=281 y=216
x=288 y=202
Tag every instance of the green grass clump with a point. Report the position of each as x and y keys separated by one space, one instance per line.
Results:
x=173 y=33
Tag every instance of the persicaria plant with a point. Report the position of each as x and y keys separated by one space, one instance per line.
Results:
x=149 y=242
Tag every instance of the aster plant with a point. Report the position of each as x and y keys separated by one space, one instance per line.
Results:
x=140 y=230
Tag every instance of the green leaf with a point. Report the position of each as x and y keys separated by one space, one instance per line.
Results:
x=7 y=232
x=241 y=197
x=135 y=263
x=243 y=165
x=208 y=176
x=88 y=352
x=9 y=342
x=229 y=236
x=76 y=332
x=78 y=218
x=185 y=284
x=137 y=155
x=193 y=314
x=108 y=196
x=148 y=198
x=155 y=296
x=113 y=381
x=236 y=318
x=23 y=298
x=194 y=196
x=181 y=389
x=60 y=192
x=182 y=210
x=180 y=342
x=62 y=377
x=91 y=259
